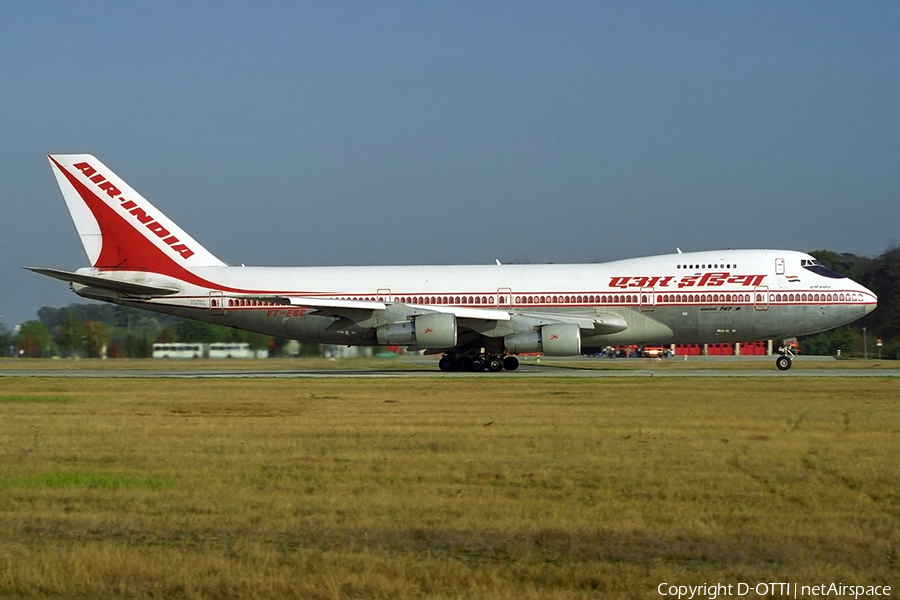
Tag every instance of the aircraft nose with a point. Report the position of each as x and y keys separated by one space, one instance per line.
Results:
x=869 y=298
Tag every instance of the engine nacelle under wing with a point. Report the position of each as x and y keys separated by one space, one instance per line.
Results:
x=436 y=330
x=561 y=339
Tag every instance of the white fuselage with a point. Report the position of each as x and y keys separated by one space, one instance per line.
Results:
x=720 y=296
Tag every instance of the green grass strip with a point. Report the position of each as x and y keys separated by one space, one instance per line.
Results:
x=86 y=480
x=23 y=398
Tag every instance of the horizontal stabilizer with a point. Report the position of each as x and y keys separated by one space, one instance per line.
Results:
x=116 y=285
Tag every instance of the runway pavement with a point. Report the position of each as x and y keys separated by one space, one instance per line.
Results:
x=420 y=371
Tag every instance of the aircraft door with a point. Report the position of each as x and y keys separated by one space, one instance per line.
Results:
x=648 y=299
x=217 y=303
x=504 y=297
x=779 y=266
x=384 y=294
x=761 y=298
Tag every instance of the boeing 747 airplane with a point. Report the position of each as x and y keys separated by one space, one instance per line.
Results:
x=477 y=317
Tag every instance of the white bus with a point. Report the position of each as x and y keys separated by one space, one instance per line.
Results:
x=231 y=350
x=180 y=350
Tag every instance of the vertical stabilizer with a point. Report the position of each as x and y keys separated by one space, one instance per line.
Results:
x=118 y=227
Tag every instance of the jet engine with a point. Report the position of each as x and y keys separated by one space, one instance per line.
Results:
x=436 y=330
x=560 y=339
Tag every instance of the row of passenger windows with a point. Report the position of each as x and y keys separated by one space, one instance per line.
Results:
x=602 y=299
x=705 y=298
x=247 y=302
x=447 y=299
x=715 y=266
x=815 y=297
x=482 y=300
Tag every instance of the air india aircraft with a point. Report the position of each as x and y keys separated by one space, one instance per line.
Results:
x=477 y=317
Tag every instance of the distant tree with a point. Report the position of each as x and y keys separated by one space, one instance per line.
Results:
x=34 y=340
x=166 y=336
x=71 y=335
x=51 y=317
x=884 y=280
x=892 y=349
x=119 y=321
x=309 y=349
x=256 y=341
x=136 y=347
x=828 y=343
x=5 y=340
x=108 y=314
x=96 y=338
x=197 y=331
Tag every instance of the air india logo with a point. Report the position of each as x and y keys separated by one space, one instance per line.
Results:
x=134 y=210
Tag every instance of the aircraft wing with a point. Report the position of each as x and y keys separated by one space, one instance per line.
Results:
x=603 y=323
x=358 y=310
x=354 y=310
x=325 y=304
x=462 y=312
x=116 y=285
x=490 y=322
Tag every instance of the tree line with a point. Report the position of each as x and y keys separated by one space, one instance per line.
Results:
x=95 y=330
x=89 y=329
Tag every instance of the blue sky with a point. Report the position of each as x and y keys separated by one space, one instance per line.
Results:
x=294 y=133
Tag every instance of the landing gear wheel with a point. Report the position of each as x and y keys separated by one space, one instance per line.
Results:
x=494 y=364
x=465 y=364
x=447 y=364
x=510 y=363
x=783 y=363
x=478 y=363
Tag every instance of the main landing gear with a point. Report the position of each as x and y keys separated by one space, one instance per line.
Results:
x=784 y=361
x=476 y=362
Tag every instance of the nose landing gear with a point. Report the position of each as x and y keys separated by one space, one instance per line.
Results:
x=784 y=361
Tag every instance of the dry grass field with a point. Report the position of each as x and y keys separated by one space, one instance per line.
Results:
x=486 y=487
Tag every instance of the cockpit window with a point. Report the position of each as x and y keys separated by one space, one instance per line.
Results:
x=819 y=269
